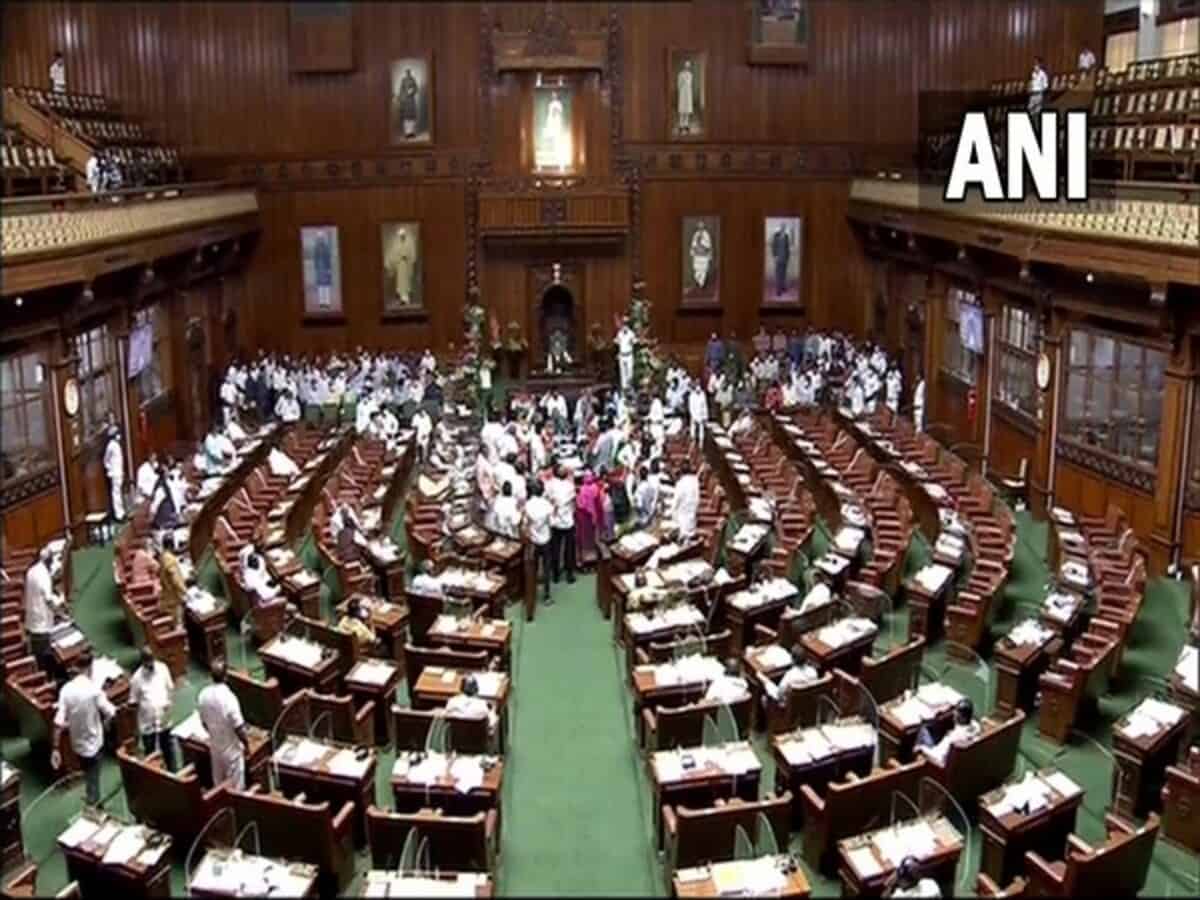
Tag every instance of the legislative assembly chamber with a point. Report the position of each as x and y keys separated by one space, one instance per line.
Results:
x=751 y=448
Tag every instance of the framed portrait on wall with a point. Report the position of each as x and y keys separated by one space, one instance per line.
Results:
x=701 y=267
x=403 y=269
x=321 y=271
x=410 y=103
x=687 y=93
x=553 y=144
x=783 y=257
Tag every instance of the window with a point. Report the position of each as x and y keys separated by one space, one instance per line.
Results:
x=1114 y=396
x=1179 y=38
x=1016 y=375
x=153 y=379
x=959 y=360
x=25 y=446
x=97 y=400
x=1120 y=50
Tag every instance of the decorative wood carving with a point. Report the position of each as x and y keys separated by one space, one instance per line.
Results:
x=550 y=34
x=548 y=44
x=775 y=162
x=415 y=166
x=616 y=82
x=22 y=490
x=525 y=207
x=1107 y=466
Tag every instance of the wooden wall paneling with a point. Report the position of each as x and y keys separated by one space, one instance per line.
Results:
x=1010 y=444
x=34 y=522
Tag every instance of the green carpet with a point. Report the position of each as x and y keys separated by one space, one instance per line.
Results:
x=576 y=807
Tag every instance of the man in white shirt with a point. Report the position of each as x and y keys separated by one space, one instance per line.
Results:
x=58 y=73
x=258 y=582
x=426 y=582
x=908 y=883
x=894 y=388
x=697 y=413
x=538 y=512
x=228 y=742
x=560 y=491
x=798 y=674
x=1039 y=82
x=729 y=687
x=965 y=727
x=919 y=404
x=114 y=473
x=230 y=396
x=281 y=465
x=150 y=691
x=1087 y=59
x=645 y=497
x=684 y=504
x=147 y=477
x=287 y=407
x=506 y=512
x=422 y=425
x=625 y=341
x=468 y=704
x=83 y=711
x=42 y=606
x=219 y=452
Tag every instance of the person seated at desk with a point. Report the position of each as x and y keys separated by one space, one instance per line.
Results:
x=426 y=581
x=282 y=465
x=147 y=477
x=43 y=605
x=468 y=704
x=799 y=673
x=907 y=883
x=965 y=727
x=219 y=453
x=357 y=621
x=258 y=582
x=744 y=424
x=730 y=687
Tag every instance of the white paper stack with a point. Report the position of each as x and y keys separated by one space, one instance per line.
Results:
x=668 y=766
x=467 y=772
x=190 y=728
x=864 y=862
x=912 y=711
x=1188 y=668
x=1060 y=606
x=845 y=631
x=933 y=577
x=346 y=764
x=819 y=596
x=490 y=684
x=1150 y=717
x=79 y=832
x=300 y=752
x=774 y=656
x=938 y=694
x=128 y=843
x=738 y=759
x=104 y=669
x=371 y=671
x=200 y=601
x=1030 y=633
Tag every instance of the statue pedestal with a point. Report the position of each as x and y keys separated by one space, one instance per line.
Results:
x=513 y=363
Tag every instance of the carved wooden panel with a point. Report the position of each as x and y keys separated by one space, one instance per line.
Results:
x=586 y=208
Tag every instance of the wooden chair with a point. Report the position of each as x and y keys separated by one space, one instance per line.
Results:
x=800 y=706
x=334 y=638
x=697 y=836
x=174 y=802
x=465 y=735
x=1116 y=869
x=298 y=830
x=1071 y=685
x=890 y=675
x=261 y=701
x=665 y=728
x=1181 y=800
x=456 y=843
x=417 y=658
x=853 y=807
x=336 y=716
x=986 y=887
x=982 y=763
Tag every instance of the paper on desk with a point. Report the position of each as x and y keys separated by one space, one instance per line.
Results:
x=106 y=834
x=911 y=711
x=864 y=862
x=1029 y=633
x=467 y=773
x=490 y=684
x=916 y=839
x=694 y=875
x=345 y=763
x=300 y=752
x=850 y=736
x=78 y=832
x=371 y=671
x=938 y=694
x=738 y=760
x=1062 y=784
x=774 y=656
x=69 y=639
x=668 y=766
x=128 y=843
x=1188 y=668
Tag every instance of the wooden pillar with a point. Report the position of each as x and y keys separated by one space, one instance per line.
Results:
x=1171 y=483
x=935 y=319
x=67 y=428
x=1044 y=464
x=983 y=385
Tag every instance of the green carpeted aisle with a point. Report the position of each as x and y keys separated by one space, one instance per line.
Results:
x=576 y=809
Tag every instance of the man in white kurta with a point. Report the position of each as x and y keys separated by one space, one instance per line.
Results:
x=919 y=405
x=684 y=504
x=701 y=251
x=698 y=412
x=221 y=715
x=625 y=343
x=114 y=471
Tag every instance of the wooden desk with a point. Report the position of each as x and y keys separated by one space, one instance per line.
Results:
x=88 y=845
x=691 y=579
x=698 y=776
x=1181 y=802
x=1063 y=611
x=821 y=754
x=376 y=680
x=390 y=621
x=661 y=624
x=324 y=770
x=432 y=781
x=732 y=877
x=1183 y=688
x=827 y=654
x=12 y=847
x=231 y=873
x=1018 y=667
x=865 y=869
x=927 y=592
x=901 y=719
x=205 y=628
x=491 y=635
x=299 y=663
x=253 y=452
x=1009 y=833
x=655 y=685
x=1141 y=761
x=388 y=883
x=760 y=605
x=437 y=685
x=193 y=742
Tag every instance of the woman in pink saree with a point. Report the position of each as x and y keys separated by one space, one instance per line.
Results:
x=589 y=511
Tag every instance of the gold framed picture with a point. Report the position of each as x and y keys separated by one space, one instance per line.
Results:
x=403 y=269
x=410 y=101
x=687 y=93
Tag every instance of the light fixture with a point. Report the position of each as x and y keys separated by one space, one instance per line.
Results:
x=1090 y=277
x=20 y=302
x=962 y=254
x=1025 y=274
